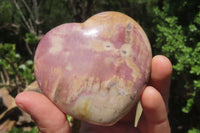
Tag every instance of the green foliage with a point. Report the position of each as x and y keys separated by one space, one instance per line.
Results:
x=19 y=71
x=194 y=130
x=20 y=130
x=181 y=43
x=189 y=104
x=26 y=70
x=6 y=11
x=69 y=118
x=31 y=38
x=9 y=59
x=178 y=46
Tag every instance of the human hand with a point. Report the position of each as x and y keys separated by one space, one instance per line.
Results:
x=153 y=99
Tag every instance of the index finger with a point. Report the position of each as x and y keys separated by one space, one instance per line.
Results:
x=161 y=72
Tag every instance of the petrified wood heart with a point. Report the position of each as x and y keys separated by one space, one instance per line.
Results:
x=96 y=70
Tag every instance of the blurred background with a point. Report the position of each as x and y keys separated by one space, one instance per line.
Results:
x=172 y=26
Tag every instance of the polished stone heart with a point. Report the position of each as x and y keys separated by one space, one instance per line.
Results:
x=96 y=70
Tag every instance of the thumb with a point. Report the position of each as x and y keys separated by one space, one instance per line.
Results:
x=47 y=116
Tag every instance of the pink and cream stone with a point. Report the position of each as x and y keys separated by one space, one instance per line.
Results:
x=96 y=70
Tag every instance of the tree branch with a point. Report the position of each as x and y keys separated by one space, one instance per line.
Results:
x=7 y=76
x=36 y=11
x=28 y=48
x=18 y=78
x=23 y=17
x=28 y=9
x=2 y=77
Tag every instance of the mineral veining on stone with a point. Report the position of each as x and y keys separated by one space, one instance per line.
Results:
x=96 y=70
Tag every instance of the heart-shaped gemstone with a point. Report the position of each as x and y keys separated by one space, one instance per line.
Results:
x=96 y=70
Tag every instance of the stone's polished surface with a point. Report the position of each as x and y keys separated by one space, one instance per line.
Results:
x=96 y=70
